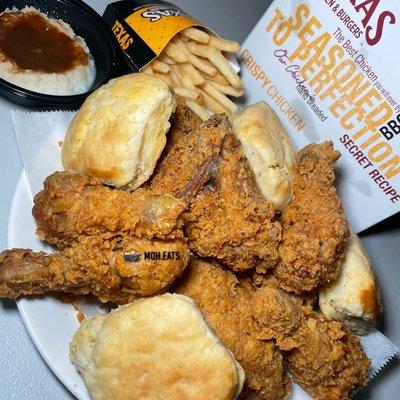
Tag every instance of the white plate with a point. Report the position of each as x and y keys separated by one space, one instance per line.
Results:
x=50 y=323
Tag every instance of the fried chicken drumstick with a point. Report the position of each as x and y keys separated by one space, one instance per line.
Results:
x=225 y=303
x=314 y=227
x=323 y=356
x=104 y=235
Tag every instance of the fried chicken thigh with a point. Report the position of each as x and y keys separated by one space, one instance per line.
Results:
x=225 y=303
x=314 y=227
x=109 y=241
x=230 y=220
x=323 y=356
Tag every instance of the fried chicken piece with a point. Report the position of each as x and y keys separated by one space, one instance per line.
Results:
x=109 y=270
x=225 y=303
x=314 y=227
x=262 y=280
x=187 y=165
x=183 y=121
x=324 y=357
x=230 y=220
x=72 y=205
x=115 y=245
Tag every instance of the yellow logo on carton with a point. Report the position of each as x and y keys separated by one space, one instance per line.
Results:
x=157 y=25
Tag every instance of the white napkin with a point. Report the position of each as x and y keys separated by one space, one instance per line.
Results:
x=39 y=136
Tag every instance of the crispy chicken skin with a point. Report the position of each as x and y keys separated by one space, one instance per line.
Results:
x=99 y=231
x=229 y=219
x=186 y=165
x=323 y=356
x=314 y=227
x=93 y=266
x=225 y=303
x=72 y=205
x=183 y=121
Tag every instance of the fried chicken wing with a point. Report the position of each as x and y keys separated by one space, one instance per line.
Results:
x=225 y=303
x=323 y=356
x=115 y=245
x=314 y=227
x=186 y=165
x=229 y=219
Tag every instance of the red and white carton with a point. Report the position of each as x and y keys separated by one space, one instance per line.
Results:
x=330 y=69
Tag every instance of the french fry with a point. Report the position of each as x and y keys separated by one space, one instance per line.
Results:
x=159 y=66
x=229 y=90
x=175 y=75
x=216 y=57
x=196 y=76
x=198 y=49
x=225 y=68
x=196 y=34
x=219 y=78
x=221 y=98
x=165 y=77
x=166 y=59
x=173 y=51
x=199 y=72
x=187 y=81
x=147 y=69
x=197 y=109
x=200 y=64
x=224 y=45
x=212 y=104
x=187 y=93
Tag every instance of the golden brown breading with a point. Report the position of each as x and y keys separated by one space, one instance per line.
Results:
x=262 y=280
x=314 y=227
x=101 y=233
x=323 y=356
x=104 y=269
x=72 y=205
x=187 y=165
x=230 y=220
x=225 y=303
x=183 y=121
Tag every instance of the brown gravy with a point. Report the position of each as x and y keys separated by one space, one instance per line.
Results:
x=30 y=42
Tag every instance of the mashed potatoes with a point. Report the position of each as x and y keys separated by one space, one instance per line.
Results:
x=43 y=54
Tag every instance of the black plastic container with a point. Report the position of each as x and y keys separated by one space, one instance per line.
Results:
x=86 y=23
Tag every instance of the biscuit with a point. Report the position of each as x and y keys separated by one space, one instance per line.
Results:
x=353 y=299
x=120 y=131
x=269 y=151
x=158 y=348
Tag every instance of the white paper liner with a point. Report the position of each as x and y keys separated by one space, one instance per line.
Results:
x=38 y=135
